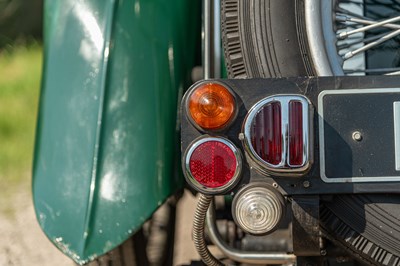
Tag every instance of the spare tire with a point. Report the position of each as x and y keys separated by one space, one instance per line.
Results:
x=267 y=38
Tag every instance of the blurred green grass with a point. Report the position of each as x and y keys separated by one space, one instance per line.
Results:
x=20 y=70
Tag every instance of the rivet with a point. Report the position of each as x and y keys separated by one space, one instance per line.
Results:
x=306 y=184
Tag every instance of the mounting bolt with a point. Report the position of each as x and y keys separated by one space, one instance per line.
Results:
x=241 y=136
x=275 y=185
x=306 y=184
x=357 y=136
x=323 y=252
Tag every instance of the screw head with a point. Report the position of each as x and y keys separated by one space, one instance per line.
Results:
x=306 y=184
x=357 y=136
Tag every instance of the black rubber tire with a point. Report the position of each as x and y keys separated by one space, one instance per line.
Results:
x=266 y=38
x=260 y=39
x=368 y=225
x=152 y=245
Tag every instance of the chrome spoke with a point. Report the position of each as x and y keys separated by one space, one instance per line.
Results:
x=385 y=38
x=345 y=34
x=360 y=41
x=351 y=2
x=374 y=70
x=342 y=18
x=348 y=12
x=393 y=73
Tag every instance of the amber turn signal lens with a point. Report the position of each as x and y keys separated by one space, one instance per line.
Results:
x=211 y=106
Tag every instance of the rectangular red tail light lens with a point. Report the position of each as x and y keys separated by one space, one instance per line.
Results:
x=296 y=145
x=267 y=133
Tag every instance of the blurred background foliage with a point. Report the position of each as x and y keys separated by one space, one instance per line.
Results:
x=20 y=71
x=19 y=89
x=20 y=21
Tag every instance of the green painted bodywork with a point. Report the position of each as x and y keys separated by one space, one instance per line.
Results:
x=107 y=144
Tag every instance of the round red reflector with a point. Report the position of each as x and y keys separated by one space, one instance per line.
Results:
x=213 y=165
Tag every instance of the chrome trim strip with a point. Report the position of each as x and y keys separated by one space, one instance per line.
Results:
x=283 y=168
x=322 y=139
x=251 y=257
x=284 y=130
x=194 y=183
x=396 y=122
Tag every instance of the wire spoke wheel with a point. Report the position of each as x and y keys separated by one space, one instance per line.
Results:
x=359 y=37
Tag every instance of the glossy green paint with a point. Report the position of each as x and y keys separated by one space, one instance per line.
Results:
x=107 y=146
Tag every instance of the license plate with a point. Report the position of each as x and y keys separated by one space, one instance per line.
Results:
x=359 y=135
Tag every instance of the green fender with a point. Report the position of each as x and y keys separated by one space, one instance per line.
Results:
x=107 y=144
